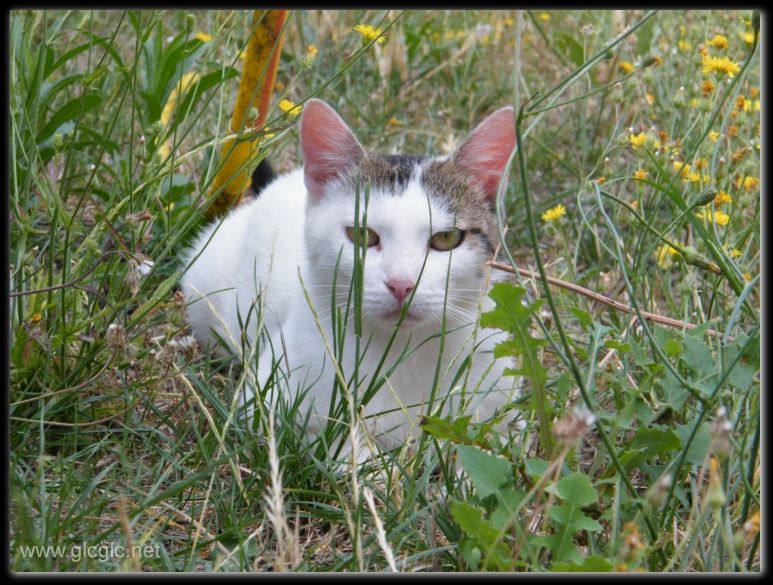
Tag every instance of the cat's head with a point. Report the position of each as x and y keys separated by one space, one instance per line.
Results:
x=431 y=222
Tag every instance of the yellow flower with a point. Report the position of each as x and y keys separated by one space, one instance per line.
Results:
x=751 y=183
x=720 y=217
x=289 y=107
x=736 y=253
x=650 y=98
x=601 y=180
x=684 y=45
x=718 y=42
x=637 y=140
x=554 y=213
x=691 y=177
x=748 y=37
x=370 y=33
x=720 y=65
x=747 y=276
x=203 y=37
x=627 y=67
x=683 y=168
x=722 y=197
x=707 y=87
x=714 y=135
x=640 y=174
x=544 y=16
x=665 y=255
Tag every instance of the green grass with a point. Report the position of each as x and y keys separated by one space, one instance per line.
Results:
x=119 y=436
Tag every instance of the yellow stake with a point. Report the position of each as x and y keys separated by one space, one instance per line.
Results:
x=261 y=61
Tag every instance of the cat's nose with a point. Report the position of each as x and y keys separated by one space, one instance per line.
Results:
x=400 y=287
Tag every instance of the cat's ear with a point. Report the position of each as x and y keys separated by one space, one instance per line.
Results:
x=330 y=149
x=483 y=156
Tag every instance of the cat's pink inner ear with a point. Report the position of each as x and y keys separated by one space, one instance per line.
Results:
x=484 y=154
x=330 y=149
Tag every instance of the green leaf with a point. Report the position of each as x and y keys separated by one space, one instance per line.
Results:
x=585 y=318
x=620 y=346
x=487 y=472
x=70 y=111
x=644 y=38
x=456 y=431
x=536 y=467
x=576 y=491
x=697 y=355
x=649 y=442
x=568 y=45
x=673 y=348
x=594 y=564
x=470 y=519
x=699 y=447
x=511 y=315
x=509 y=500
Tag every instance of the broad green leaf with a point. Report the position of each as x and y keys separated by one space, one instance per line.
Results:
x=576 y=491
x=470 y=519
x=568 y=45
x=511 y=315
x=68 y=112
x=536 y=467
x=649 y=442
x=487 y=472
x=594 y=564
x=699 y=447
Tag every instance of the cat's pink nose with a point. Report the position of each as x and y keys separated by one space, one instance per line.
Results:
x=400 y=288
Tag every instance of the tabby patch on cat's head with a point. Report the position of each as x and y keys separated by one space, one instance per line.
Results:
x=431 y=222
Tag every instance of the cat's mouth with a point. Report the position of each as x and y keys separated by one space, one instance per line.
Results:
x=411 y=315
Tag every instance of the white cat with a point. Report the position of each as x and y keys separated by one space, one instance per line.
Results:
x=431 y=227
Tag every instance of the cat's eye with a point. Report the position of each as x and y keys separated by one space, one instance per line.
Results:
x=363 y=237
x=447 y=240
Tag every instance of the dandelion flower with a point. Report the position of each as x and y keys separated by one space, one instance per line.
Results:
x=640 y=174
x=637 y=140
x=720 y=217
x=720 y=65
x=289 y=107
x=714 y=135
x=370 y=33
x=736 y=253
x=627 y=67
x=722 y=198
x=683 y=45
x=203 y=37
x=718 y=42
x=750 y=183
x=748 y=37
x=554 y=213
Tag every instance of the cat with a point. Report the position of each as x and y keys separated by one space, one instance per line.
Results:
x=425 y=230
